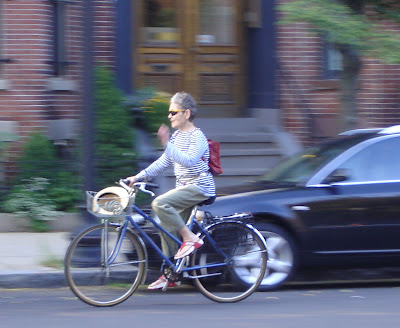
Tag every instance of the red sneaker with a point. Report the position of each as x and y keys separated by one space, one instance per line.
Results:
x=161 y=282
x=187 y=248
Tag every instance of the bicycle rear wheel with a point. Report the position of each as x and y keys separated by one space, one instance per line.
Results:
x=97 y=272
x=221 y=278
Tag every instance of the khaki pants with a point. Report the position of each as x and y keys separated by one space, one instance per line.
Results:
x=173 y=208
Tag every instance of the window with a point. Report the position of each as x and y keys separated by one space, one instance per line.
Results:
x=377 y=162
x=332 y=61
x=2 y=44
x=217 y=22
x=59 y=62
x=301 y=167
x=3 y=51
x=160 y=22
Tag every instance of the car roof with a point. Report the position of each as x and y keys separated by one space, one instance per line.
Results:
x=395 y=129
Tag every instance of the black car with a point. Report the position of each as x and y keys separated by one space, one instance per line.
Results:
x=336 y=205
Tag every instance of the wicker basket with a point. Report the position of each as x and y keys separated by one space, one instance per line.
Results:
x=106 y=205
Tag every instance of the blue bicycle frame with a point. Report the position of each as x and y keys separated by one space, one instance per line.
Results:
x=192 y=221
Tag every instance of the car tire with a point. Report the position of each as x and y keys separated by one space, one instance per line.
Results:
x=282 y=256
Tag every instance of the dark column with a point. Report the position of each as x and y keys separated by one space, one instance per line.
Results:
x=124 y=44
x=262 y=60
x=88 y=104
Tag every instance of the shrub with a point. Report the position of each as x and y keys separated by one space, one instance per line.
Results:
x=30 y=200
x=155 y=111
x=39 y=159
x=113 y=134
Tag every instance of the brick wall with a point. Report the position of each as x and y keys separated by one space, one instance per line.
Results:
x=310 y=102
x=27 y=41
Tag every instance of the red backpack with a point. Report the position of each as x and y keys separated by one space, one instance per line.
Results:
x=214 y=162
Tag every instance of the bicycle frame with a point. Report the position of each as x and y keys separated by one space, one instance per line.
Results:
x=191 y=222
x=235 y=253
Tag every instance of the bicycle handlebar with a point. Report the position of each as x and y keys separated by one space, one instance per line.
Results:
x=138 y=185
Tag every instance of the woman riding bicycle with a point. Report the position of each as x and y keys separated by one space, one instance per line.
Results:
x=188 y=151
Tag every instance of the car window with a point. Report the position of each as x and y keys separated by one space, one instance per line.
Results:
x=377 y=162
x=299 y=168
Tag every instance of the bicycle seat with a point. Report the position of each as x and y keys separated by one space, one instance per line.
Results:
x=207 y=201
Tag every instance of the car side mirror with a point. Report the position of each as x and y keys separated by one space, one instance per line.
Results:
x=339 y=175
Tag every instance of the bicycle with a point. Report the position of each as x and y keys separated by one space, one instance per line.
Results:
x=106 y=263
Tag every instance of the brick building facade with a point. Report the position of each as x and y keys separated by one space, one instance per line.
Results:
x=310 y=99
x=42 y=53
x=42 y=58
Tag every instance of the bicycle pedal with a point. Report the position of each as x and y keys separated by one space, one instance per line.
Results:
x=182 y=264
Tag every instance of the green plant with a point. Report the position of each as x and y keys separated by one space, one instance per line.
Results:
x=40 y=159
x=30 y=200
x=114 y=136
x=65 y=190
x=155 y=111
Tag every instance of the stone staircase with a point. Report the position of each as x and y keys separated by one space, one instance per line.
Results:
x=245 y=152
x=249 y=147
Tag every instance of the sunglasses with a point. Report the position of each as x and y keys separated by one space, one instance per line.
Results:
x=174 y=112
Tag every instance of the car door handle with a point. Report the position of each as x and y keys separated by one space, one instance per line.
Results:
x=300 y=208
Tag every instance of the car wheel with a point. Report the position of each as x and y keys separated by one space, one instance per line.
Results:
x=282 y=258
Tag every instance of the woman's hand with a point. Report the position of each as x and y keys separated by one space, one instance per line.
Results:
x=132 y=180
x=164 y=134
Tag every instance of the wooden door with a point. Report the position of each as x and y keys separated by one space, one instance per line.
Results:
x=193 y=45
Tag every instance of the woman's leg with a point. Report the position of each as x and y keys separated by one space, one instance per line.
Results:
x=173 y=209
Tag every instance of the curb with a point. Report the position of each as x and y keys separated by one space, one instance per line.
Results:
x=56 y=279
x=32 y=280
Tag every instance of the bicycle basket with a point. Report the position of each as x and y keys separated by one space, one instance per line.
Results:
x=111 y=201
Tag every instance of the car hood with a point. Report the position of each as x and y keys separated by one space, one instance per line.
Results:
x=253 y=197
x=248 y=187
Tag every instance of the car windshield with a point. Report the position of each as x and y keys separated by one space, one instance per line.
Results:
x=301 y=167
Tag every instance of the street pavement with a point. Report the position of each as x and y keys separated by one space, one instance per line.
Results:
x=35 y=260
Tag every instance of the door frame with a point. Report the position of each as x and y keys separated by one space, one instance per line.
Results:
x=192 y=60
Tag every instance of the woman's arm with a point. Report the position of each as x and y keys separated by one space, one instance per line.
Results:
x=197 y=148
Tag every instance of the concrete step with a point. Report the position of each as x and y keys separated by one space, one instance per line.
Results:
x=249 y=162
x=250 y=152
x=213 y=126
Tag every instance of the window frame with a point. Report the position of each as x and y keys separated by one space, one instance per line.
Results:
x=59 y=47
x=319 y=177
x=378 y=153
x=332 y=61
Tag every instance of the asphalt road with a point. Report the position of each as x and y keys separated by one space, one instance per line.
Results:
x=337 y=307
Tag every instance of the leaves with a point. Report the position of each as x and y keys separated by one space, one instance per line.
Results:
x=114 y=136
x=343 y=25
x=29 y=199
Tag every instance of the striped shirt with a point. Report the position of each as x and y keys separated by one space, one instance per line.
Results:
x=185 y=151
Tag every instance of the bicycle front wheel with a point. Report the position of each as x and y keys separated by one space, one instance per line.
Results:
x=240 y=250
x=104 y=268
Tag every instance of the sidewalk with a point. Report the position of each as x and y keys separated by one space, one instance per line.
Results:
x=35 y=260
x=32 y=259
